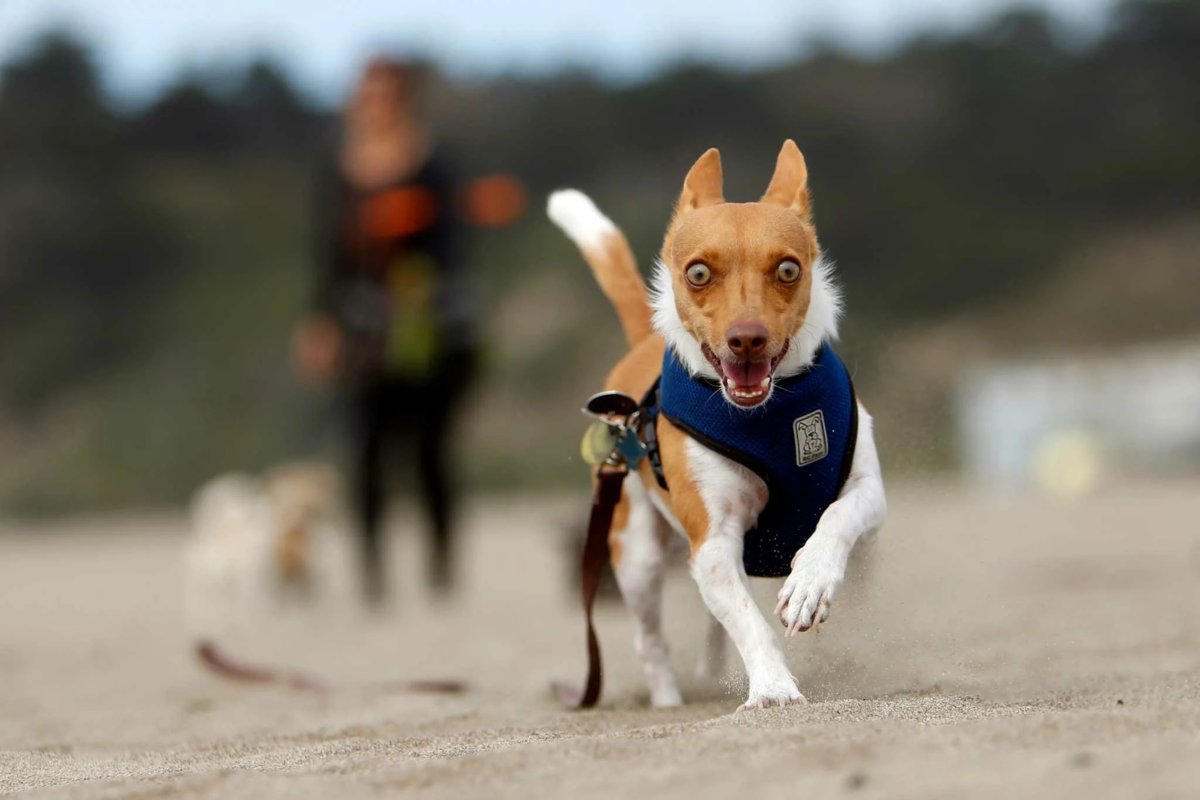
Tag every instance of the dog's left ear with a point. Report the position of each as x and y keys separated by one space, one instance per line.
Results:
x=789 y=184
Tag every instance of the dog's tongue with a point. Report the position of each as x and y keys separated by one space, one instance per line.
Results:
x=746 y=374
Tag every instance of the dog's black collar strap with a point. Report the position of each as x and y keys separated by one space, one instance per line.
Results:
x=649 y=434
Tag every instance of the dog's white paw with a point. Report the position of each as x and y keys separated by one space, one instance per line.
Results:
x=776 y=694
x=807 y=593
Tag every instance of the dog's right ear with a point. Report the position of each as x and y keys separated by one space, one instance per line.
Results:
x=789 y=184
x=702 y=186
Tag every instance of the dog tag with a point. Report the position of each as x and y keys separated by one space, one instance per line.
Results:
x=599 y=442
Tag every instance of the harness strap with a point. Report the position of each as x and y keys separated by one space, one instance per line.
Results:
x=595 y=554
x=650 y=410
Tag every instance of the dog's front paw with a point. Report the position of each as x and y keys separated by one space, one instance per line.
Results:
x=808 y=591
x=774 y=695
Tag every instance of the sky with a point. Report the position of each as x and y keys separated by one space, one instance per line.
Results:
x=142 y=45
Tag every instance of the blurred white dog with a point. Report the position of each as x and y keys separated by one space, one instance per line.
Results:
x=257 y=545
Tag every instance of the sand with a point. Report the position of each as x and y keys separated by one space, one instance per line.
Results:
x=987 y=647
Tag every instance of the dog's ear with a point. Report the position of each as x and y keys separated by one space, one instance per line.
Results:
x=702 y=186
x=789 y=184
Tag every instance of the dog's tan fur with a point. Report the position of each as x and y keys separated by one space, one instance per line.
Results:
x=617 y=273
x=742 y=243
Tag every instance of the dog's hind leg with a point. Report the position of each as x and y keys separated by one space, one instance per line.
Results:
x=639 y=561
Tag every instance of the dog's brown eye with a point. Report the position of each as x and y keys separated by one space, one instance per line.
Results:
x=698 y=274
x=789 y=271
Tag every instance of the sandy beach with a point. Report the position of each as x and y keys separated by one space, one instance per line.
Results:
x=986 y=647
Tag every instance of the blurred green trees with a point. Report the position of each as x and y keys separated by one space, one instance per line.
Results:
x=152 y=260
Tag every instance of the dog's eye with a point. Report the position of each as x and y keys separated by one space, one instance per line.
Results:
x=789 y=271
x=698 y=274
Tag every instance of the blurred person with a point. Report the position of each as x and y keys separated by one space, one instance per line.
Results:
x=392 y=319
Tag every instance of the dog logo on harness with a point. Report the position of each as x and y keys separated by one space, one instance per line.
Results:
x=811 y=442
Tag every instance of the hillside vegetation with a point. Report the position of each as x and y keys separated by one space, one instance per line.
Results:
x=1005 y=191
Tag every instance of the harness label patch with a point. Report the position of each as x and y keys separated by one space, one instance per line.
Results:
x=811 y=442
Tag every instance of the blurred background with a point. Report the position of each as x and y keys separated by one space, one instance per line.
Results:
x=1010 y=190
x=1010 y=193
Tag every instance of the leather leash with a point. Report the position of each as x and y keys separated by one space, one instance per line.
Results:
x=595 y=555
x=217 y=660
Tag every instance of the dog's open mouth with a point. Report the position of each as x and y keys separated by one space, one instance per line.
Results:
x=746 y=383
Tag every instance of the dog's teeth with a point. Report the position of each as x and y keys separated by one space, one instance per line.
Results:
x=730 y=384
x=765 y=382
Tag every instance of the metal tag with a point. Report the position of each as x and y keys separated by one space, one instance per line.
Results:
x=599 y=442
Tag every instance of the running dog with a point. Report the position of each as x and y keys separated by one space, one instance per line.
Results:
x=768 y=462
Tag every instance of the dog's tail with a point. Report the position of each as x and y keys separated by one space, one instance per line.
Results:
x=608 y=253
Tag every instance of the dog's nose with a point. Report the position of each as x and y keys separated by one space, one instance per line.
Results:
x=747 y=340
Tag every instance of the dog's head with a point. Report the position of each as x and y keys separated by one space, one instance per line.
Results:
x=742 y=294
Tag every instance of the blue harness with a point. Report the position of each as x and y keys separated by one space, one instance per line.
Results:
x=800 y=442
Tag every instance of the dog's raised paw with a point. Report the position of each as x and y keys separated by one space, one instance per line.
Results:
x=808 y=591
